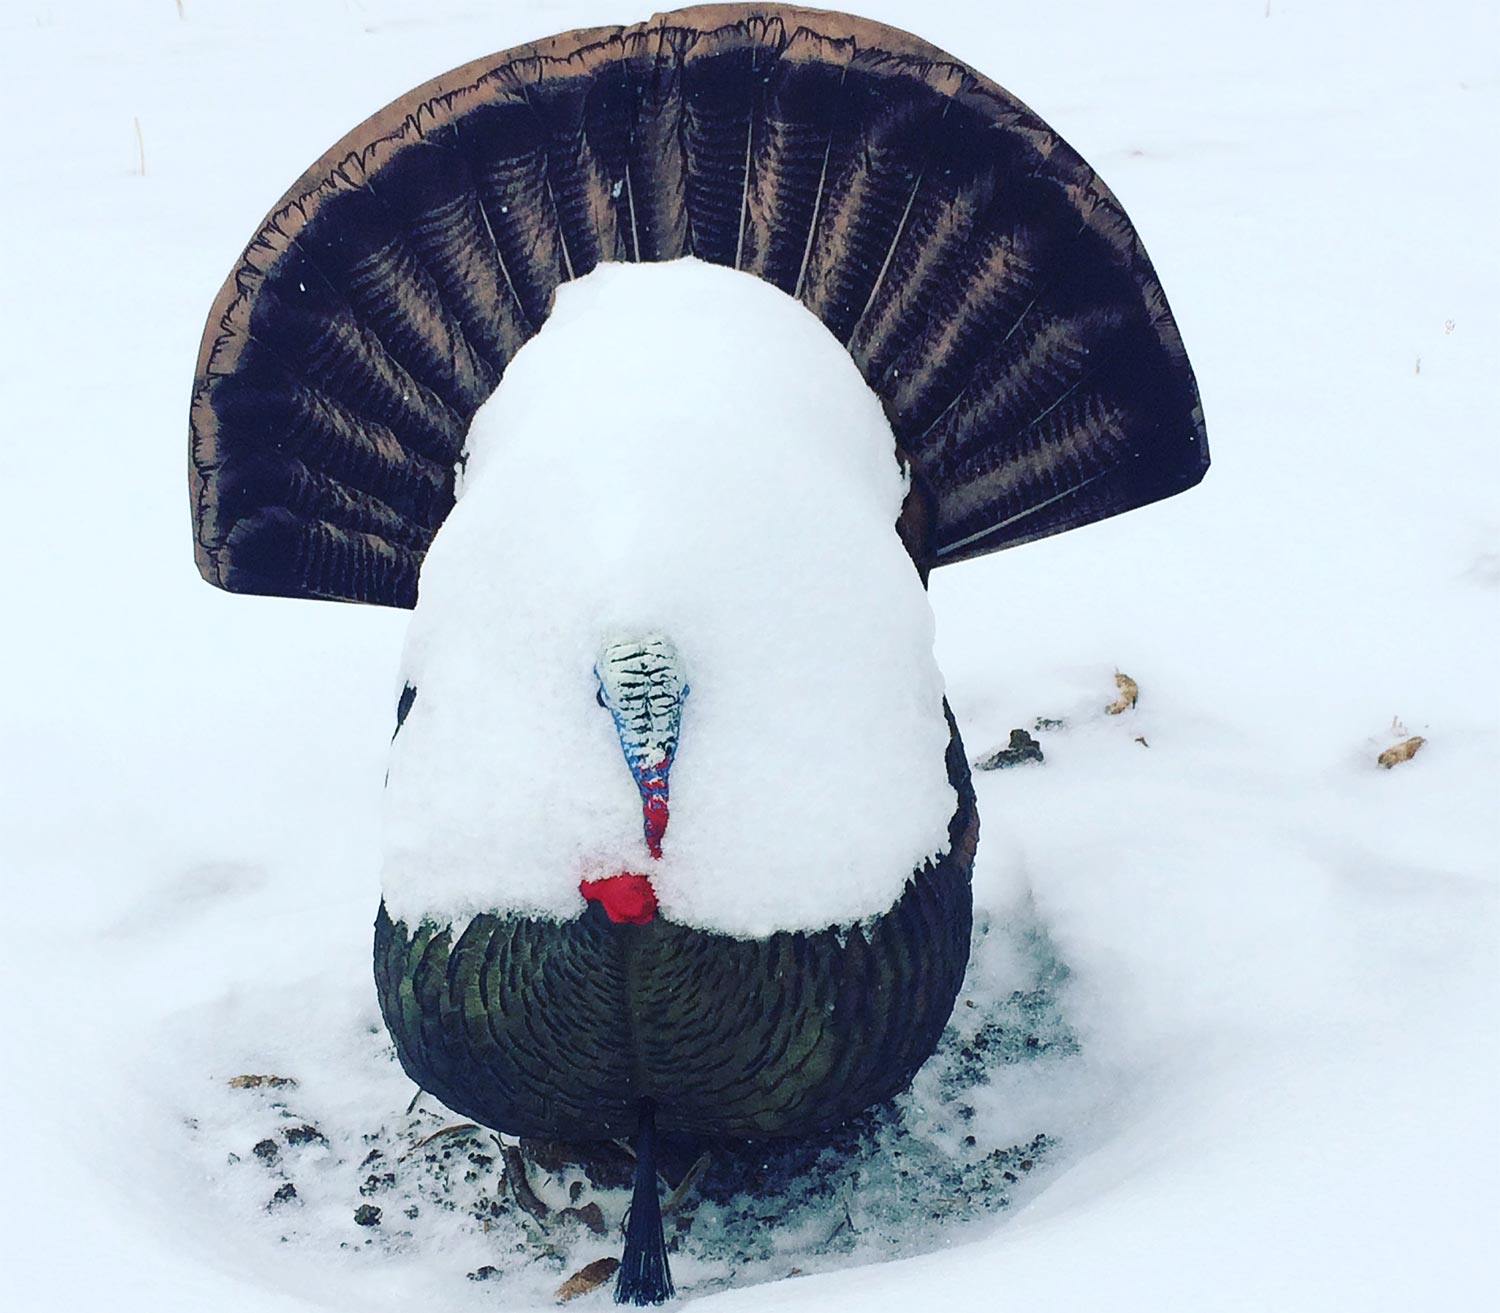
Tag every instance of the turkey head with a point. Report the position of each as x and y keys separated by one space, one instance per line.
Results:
x=641 y=684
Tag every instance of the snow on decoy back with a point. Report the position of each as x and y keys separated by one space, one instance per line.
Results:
x=657 y=366
x=710 y=506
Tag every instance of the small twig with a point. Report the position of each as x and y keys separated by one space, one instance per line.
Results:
x=428 y=1139
x=515 y=1174
x=674 y=1200
x=140 y=145
x=848 y=1221
x=415 y=1099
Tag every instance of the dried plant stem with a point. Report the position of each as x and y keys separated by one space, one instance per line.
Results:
x=674 y=1200
x=140 y=146
x=520 y=1187
x=438 y=1134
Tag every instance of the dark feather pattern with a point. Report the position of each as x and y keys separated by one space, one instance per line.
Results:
x=986 y=282
x=433 y=198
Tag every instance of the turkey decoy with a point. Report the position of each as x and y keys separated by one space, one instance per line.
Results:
x=991 y=293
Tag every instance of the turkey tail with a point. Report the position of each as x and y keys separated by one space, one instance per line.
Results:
x=985 y=281
x=644 y=1275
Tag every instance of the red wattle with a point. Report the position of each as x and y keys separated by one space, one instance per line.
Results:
x=654 y=814
x=626 y=898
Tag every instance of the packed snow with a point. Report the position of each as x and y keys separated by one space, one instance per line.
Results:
x=1266 y=1069
x=682 y=450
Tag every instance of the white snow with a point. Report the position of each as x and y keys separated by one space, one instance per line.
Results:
x=682 y=450
x=1283 y=959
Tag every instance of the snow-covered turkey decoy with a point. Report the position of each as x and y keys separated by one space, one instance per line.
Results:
x=993 y=297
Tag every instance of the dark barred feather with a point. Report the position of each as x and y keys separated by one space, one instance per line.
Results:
x=432 y=195
x=578 y=183
x=506 y=150
x=303 y=336
x=870 y=191
x=791 y=148
x=276 y=553
x=356 y=244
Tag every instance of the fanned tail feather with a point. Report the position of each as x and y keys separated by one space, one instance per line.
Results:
x=987 y=284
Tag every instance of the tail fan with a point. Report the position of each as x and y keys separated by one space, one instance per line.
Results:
x=983 y=278
x=644 y=1275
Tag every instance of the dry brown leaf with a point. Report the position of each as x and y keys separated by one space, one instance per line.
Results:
x=1401 y=752
x=249 y=1082
x=1129 y=692
x=587 y=1278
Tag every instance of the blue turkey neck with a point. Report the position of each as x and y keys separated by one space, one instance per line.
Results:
x=642 y=686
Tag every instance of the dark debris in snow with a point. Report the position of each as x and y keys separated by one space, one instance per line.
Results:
x=1022 y=749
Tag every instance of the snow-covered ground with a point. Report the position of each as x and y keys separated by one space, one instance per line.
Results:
x=1280 y=960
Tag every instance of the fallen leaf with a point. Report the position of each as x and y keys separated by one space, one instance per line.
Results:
x=587 y=1278
x=1129 y=692
x=1401 y=752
